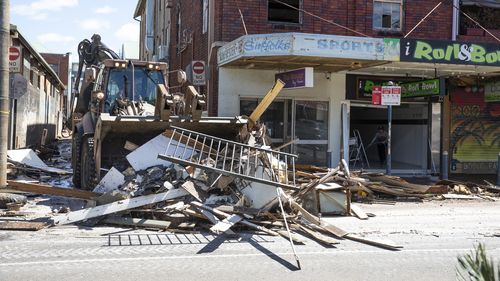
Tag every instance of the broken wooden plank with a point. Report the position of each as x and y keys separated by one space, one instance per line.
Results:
x=358 y=212
x=318 y=236
x=117 y=206
x=306 y=175
x=194 y=190
x=389 y=245
x=315 y=220
x=239 y=210
x=460 y=196
x=22 y=225
x=295 y=238
x=416 y=188
x=245 y=222
x=437 y=189
x=264 y=104
x=137 y=222
x=225 y=224
x=212 y=218
x=50 y=190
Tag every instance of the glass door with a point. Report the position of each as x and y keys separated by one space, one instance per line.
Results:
x=310 y=126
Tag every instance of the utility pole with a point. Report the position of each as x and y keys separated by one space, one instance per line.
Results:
x=4 y=88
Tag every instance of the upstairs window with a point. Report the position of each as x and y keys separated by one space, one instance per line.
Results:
x=387 y=14
x=284 y=11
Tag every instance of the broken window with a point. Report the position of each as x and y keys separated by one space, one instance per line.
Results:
x=387 y=14
x=284 y=11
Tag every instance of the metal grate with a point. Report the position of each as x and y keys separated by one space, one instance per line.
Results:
x=230 y=158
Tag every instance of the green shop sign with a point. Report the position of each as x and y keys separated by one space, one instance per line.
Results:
x=422 y=88
x=453 y=52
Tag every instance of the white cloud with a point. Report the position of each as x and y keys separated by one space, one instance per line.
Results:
x=128 y=32
x=54 y=38
x=105 y=10
x=36 y=9
x=94 y=25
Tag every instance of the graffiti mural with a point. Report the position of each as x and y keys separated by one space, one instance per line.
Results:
x=475 y=132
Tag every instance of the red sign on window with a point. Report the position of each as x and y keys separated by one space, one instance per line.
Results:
x=376 y=95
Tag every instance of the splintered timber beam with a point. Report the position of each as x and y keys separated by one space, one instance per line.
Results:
x=50 y=190
x=117 y=206
x=264 y=104
x=226 y=215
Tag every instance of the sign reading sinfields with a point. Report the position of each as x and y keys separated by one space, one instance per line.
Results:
x=438 y=51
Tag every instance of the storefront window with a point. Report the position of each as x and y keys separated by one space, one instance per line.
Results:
x=306 y=120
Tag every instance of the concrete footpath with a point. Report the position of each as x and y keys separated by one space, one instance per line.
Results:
x=432 y=233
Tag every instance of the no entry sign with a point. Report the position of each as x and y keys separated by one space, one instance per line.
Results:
x=14 y=59
x=198 y=67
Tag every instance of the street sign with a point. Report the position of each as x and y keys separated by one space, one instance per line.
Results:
x=198 y=68
x=391 y=95
x=14 y=59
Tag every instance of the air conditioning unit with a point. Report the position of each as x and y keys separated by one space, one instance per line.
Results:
x=163 y=52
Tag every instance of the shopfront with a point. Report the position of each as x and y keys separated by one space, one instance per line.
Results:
x=475 y=127
x=415 y=134
x=462 y=122
x=309 y=113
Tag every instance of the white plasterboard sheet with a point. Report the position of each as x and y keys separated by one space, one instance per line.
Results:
x=29 y=158
x=111 y=181
x=147 y=154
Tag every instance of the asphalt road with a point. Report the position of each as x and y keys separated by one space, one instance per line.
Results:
x=432 y=235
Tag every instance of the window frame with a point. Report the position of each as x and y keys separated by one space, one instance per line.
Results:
x=401 y=20
x=301 y=16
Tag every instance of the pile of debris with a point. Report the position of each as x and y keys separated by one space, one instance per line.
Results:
x=183 y=180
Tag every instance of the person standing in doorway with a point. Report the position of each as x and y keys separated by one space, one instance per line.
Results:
x=380 y=139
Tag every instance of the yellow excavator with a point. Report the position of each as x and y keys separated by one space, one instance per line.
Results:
x=117 y=101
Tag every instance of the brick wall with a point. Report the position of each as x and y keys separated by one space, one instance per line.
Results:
x=354 y=14
x=63 y=61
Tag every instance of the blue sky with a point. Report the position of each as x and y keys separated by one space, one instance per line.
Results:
x=57 y=26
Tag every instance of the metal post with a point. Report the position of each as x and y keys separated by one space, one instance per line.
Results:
x=389 y=135
x=498 y=170
x=4 y=88
x=444 y=165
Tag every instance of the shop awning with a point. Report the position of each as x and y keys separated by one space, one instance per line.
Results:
x=295 y=50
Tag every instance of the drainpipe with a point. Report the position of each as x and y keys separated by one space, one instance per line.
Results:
x=454 y=21
x=4 y=88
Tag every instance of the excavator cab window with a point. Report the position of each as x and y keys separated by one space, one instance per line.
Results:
x=119 y=86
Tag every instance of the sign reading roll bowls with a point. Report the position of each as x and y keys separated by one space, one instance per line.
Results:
x=296 y=79
x=451 y=52
x=391 y=95
x=15 y=59
x=198 y=69
x=424 y=88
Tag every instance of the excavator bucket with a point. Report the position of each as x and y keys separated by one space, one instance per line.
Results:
x=114 y=135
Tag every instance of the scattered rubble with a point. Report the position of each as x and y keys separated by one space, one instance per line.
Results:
x=184 y=180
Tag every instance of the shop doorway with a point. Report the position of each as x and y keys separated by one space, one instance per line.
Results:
x=411 y=142
x=288 y=119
